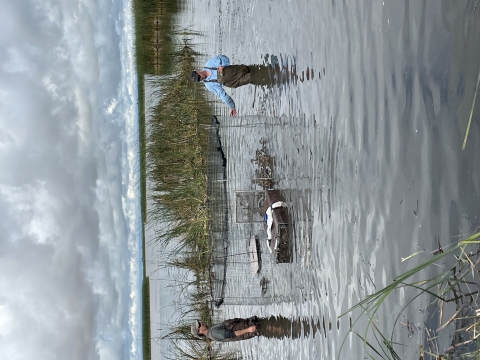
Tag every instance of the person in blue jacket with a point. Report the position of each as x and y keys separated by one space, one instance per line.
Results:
x=218 y=73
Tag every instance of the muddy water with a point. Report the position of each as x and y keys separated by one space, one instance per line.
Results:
x=371 y=137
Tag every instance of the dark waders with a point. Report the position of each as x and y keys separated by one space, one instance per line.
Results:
x=234 y=76
x=280 y=327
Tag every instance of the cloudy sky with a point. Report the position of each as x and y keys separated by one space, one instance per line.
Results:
x=68 y=199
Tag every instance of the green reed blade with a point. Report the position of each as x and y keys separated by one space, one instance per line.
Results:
x=367 y=343
x=471 y=113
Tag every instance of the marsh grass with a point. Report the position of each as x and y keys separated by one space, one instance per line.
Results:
x=155 y=34
x=176 y=147
x=443 y=288
x=195 y=350
x=171 y=148
x=153 y=23
x=151 y=48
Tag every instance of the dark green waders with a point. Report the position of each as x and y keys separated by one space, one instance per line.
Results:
x=234 y=76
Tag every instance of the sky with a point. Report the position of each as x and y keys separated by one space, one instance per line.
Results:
x=69 y=206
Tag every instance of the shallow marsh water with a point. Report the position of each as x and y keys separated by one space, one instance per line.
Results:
x=371 y=142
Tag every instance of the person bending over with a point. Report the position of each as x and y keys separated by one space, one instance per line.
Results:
x=218 y=73
x=228 y=330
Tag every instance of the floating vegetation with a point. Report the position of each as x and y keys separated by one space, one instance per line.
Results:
x=263 y=173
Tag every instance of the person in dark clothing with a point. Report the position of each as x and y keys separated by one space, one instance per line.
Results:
x=228 y=330
x=274 y=327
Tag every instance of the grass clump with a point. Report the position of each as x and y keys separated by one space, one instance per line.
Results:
x=153 y=27
x=172 y=161
x=176 y=146
x=154 y=23
x=172 y=154
x=176 y=150
x=451 y=285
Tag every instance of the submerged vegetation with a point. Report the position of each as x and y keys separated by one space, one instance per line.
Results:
x=454 y=285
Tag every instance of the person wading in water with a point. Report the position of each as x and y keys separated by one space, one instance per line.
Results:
x=228 y=330
x=237 y=329
x=218 y=73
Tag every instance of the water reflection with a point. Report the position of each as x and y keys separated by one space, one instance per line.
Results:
x=377 y=143
x=279 y=70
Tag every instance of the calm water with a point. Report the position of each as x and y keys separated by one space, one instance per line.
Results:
x=372 y=143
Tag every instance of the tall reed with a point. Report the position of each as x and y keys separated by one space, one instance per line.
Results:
x=438 y=287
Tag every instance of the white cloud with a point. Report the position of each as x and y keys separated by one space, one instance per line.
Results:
x=16 y=62
x=35 y=208
x=67 y=204
x=6 y=320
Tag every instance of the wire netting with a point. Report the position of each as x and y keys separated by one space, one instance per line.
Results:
x=235 y=207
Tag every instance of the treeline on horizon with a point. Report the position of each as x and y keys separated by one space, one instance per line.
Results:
x=154 y=42
x=172 y=154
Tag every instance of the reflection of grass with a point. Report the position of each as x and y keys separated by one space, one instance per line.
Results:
x=444 y=288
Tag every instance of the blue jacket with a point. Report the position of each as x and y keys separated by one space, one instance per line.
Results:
x=214 y=87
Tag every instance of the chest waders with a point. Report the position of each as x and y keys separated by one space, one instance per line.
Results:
x=233 y=76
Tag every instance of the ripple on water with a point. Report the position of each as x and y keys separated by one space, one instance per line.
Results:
x=367 y=148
